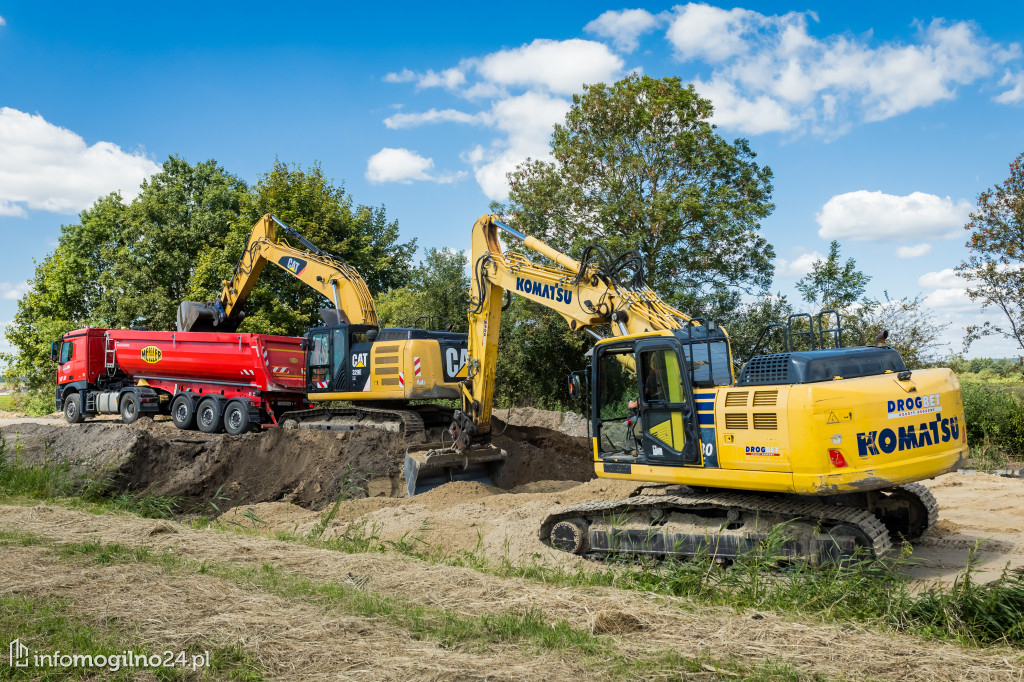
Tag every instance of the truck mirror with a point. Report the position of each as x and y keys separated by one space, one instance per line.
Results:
x=574 y=385
x=54 y=350
x=303 y=344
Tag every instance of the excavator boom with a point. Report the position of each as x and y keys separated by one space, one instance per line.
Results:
x=335 y=279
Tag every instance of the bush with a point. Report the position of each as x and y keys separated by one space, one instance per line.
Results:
x=994 y=416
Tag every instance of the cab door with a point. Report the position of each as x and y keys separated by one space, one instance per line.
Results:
x=668 y=413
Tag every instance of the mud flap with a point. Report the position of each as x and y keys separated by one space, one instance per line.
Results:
x=426 y=470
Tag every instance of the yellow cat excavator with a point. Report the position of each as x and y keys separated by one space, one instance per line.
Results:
x=829 y=442
x=349 y=358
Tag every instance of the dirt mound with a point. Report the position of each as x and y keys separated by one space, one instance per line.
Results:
x=539 y=453
x=304 y=467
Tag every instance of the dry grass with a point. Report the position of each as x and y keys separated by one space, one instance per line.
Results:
x=640 y=625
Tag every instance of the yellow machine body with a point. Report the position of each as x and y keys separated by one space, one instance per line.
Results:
x=409 y=369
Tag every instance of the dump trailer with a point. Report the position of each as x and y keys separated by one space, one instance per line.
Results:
x=209 y=381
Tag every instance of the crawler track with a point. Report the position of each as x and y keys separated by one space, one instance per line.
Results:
x=721 y=524
x=410 y=422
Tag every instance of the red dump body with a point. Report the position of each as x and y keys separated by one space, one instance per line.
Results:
x=267 y=363
x=102 y=371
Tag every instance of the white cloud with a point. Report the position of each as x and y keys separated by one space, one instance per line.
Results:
x=561 y=66
x=449 y=79
x=799 y=266
x=875 y=216
x=46 y=167
x=526 y=121
x=753 y=116
x=12 y=292
x=824 y=83
x=710 y=33
x=1016 y=92
x=3 y=22
x=9 y=209
x=404 y=166
x=403 y=76
x=432 y=116
x=943 y=279
x=950 y=299
x=915 y=251
x=624 y=27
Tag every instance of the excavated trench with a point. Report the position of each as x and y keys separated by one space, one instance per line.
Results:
x=307 y=468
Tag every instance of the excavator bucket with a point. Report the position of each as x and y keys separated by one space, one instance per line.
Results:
x=194 y=316
x=428 y=469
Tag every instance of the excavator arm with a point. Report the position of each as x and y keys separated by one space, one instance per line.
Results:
x=332 y=277
x=591 y=296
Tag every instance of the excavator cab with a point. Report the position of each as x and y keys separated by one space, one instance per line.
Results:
x=338 y=357
x=664 y=376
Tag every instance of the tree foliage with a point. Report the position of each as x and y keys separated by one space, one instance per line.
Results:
x=122 y=265
x=995 y=266
x=831 y=284
x=637 y=165
x=324 y=214
x=437 y=296
x=131 y=264
x=840 y=286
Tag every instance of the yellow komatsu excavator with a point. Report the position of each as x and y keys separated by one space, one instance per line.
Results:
x=830 y=442
x=349 y=358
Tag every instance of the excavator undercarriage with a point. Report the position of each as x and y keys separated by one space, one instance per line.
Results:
x=667 y=522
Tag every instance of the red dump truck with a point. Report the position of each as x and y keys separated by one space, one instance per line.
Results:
x=212 y=381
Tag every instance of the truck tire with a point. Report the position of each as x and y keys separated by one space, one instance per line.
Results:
x=73 y=409
x=208 y=415
x=183 y=412
x=236 y=417
x=129 y=408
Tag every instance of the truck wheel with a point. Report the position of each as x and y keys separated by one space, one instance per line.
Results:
x=236 y=418
x=208 y=415
x=183 y=412
x=73 y=409
x=129 y=408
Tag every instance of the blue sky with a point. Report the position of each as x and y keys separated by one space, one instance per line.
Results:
x=881 y=121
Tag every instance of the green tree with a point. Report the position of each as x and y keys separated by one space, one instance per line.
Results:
x=324 y=213
x=745 y=324
x=831 y=284
x=122 y=264
x=912 y=327
x=840 y=286
x=995 y=267
x=638 y=166
x=437 y=295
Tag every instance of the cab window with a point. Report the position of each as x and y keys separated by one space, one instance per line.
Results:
x=67 y=351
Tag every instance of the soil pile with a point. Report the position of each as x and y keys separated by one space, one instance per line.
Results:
x=305 y=467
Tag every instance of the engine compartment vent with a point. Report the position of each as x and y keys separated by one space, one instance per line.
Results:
x=765 y=398
x=736 y=421
x=736 y=399
x=766 y=421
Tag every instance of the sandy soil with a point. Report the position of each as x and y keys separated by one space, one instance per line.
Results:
x=287 y=477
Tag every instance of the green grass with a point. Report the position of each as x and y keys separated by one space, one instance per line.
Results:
x=53 y=479
x=7 y=402
x=49 y=624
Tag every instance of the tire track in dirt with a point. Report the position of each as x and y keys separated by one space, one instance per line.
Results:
x=641 y=623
